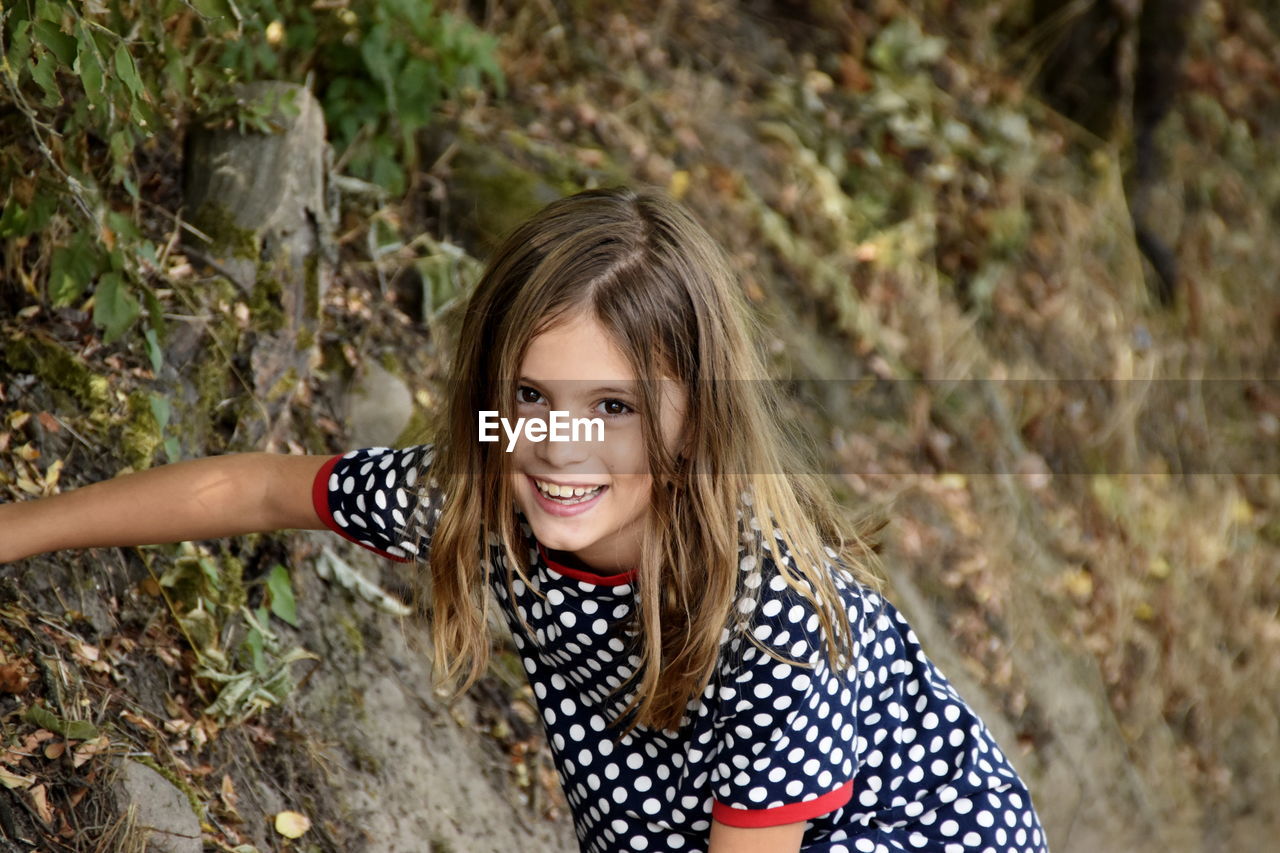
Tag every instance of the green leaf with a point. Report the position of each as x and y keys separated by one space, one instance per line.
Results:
x=120 y=144
x=123 y=225
x=13 y=221
x=211 y=574
x=172 y=449
x=214 y=9
x=70 y=271
x=281 y=592
x=17 y=221
x=127 y=71
x=70 y=729
x=153 y=350
x=43 y=73
x=89 y=66
x=80 y=730
x=160 y=409
x=254 y=643
x=42 y=208
x=59 y=43
x=19 y=47
x=44 y=718
x=155 y=311
x=114 y=308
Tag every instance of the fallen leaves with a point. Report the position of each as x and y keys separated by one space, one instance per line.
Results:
x=13 y=780
x=292 y=824
x=16 y=674
x=27 y=477
x=70 y=729
x=40 y=800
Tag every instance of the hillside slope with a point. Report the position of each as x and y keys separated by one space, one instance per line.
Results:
x=1083 y=489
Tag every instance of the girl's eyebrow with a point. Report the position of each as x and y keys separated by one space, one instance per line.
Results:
x=603 y=389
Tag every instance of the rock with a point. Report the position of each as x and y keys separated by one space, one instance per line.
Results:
x=163 y=811
x=379 y=407
x=261 y=206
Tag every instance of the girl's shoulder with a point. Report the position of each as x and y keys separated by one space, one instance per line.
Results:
x=382 y=498
x=781 y=609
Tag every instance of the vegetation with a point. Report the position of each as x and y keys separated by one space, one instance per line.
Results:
x=1093 y=549
x=98 y=92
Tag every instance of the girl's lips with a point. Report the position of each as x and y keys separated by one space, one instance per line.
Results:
x=552 y=507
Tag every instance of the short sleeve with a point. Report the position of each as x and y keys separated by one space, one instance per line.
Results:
x=380 y=498
x=786 y=745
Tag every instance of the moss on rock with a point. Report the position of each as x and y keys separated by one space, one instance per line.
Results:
x=266 y=304
x=140 y=435
x=56 y=368
x=226 y=237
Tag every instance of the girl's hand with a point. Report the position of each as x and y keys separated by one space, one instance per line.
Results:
x=200 y=499
x=785 y=838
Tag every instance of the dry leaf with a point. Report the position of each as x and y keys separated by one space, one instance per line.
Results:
x=33 y=740
x=51 y=477
x=292 y=824
x=15 y=676
x=230 y=799
x=177 y=726
x=141 y=722
x=89 y=749
x=49 y=422
x=229 y=796
x=55 y=749
x=13 y=780
x=40 y=800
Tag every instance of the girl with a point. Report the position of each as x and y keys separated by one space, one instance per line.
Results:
x=713 y=668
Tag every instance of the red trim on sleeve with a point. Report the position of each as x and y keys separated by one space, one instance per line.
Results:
x=320 y=501
x=587 y=577
x=790 y=813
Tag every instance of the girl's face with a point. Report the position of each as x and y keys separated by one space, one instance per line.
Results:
x=575 y=367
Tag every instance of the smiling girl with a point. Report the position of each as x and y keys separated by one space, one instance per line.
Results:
x=713 y=666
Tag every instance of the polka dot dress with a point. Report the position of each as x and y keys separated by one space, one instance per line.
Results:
x=882 y=756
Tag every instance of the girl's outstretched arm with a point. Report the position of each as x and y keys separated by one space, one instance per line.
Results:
x=200 y=499
x=785 y=838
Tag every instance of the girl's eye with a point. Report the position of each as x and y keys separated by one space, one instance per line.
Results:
x=525 y=394
x=615 y=407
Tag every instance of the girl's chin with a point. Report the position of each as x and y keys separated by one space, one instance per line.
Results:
x=551 y=533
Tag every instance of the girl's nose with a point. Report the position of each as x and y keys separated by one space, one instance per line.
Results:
x=562 y=454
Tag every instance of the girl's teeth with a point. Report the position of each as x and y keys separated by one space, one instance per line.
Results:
x=568 y=494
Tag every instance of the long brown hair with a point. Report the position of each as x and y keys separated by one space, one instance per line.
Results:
x=661 y=286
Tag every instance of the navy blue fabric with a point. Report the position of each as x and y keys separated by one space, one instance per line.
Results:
x=882 y=756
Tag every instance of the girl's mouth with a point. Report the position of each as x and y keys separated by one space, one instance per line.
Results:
x=564 y=500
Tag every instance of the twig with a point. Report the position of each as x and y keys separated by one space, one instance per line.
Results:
x=74 y=434
x=178 y=220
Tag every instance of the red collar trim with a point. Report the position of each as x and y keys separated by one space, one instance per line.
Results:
x=585 y=576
